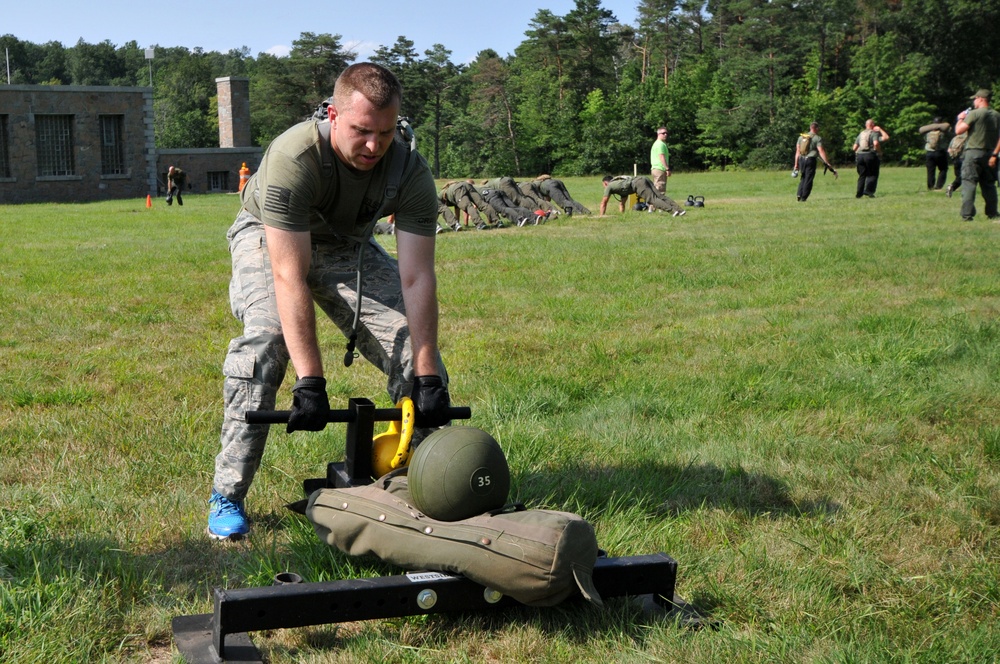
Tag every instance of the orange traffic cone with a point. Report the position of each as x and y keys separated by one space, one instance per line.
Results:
x=149 y=201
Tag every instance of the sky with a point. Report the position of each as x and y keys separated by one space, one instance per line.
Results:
x=464 y=28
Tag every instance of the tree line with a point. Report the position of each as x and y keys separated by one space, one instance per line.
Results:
x=735 y=81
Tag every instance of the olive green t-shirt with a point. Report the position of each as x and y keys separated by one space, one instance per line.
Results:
x=619 y=188
x=815 y=140
x=984 y=129
x=291 y=192
x=454 y=191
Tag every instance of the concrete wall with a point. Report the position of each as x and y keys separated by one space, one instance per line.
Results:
x=199 y=162
x=146 y=167
x=22 y=103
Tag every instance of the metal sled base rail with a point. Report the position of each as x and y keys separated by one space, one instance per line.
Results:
x=211 y=638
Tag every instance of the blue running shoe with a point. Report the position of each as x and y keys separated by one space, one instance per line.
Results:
x=226 y=518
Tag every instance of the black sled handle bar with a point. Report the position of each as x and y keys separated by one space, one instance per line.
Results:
x=381 y=415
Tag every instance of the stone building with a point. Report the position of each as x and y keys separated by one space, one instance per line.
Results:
x=88 y=143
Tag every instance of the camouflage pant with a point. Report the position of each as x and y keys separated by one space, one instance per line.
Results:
x=256 y=362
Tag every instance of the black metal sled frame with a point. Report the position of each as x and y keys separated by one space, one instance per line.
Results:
x=221 y=636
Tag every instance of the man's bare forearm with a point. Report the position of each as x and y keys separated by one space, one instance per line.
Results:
x=419 y=284
x=290 y=255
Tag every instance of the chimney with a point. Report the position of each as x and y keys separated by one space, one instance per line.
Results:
x=234 y=111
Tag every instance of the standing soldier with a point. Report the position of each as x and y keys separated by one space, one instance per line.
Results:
x=979 y=162
x=868 y=150
x=936 y=137
x=807 y=148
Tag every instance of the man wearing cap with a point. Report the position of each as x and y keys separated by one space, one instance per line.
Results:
x=659 y=159
x=980 y=157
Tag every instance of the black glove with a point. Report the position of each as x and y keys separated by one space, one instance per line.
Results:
x=431 y=402
x=310 y=405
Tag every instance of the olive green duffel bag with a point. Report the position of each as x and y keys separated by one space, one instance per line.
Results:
x=538 y=557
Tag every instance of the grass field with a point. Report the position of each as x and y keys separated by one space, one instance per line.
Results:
x=796 y=401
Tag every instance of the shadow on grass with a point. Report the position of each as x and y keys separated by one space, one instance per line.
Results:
x=666 y=490
x=180 y=573
x=178 y=576
x=629 y=622
x=187 y=570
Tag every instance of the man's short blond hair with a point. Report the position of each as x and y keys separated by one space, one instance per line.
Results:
x=376 y=83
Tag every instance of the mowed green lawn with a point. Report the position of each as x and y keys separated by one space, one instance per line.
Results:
x=796 y=401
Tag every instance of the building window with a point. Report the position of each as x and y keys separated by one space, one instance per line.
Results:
x=112 y=147
x=4 y=148
x=54 y=144
x=218 y=181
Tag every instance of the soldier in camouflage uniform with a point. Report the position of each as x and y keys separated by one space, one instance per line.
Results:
x=463 y=197
x=555 y=190
x=531 y=191
x=624 y=186
x=508 y=186
x=308 y=212
x=501 y=204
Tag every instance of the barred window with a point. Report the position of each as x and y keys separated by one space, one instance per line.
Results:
x=218 y=181
x=112 y=147
x=54 y=144
x=4 y=148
